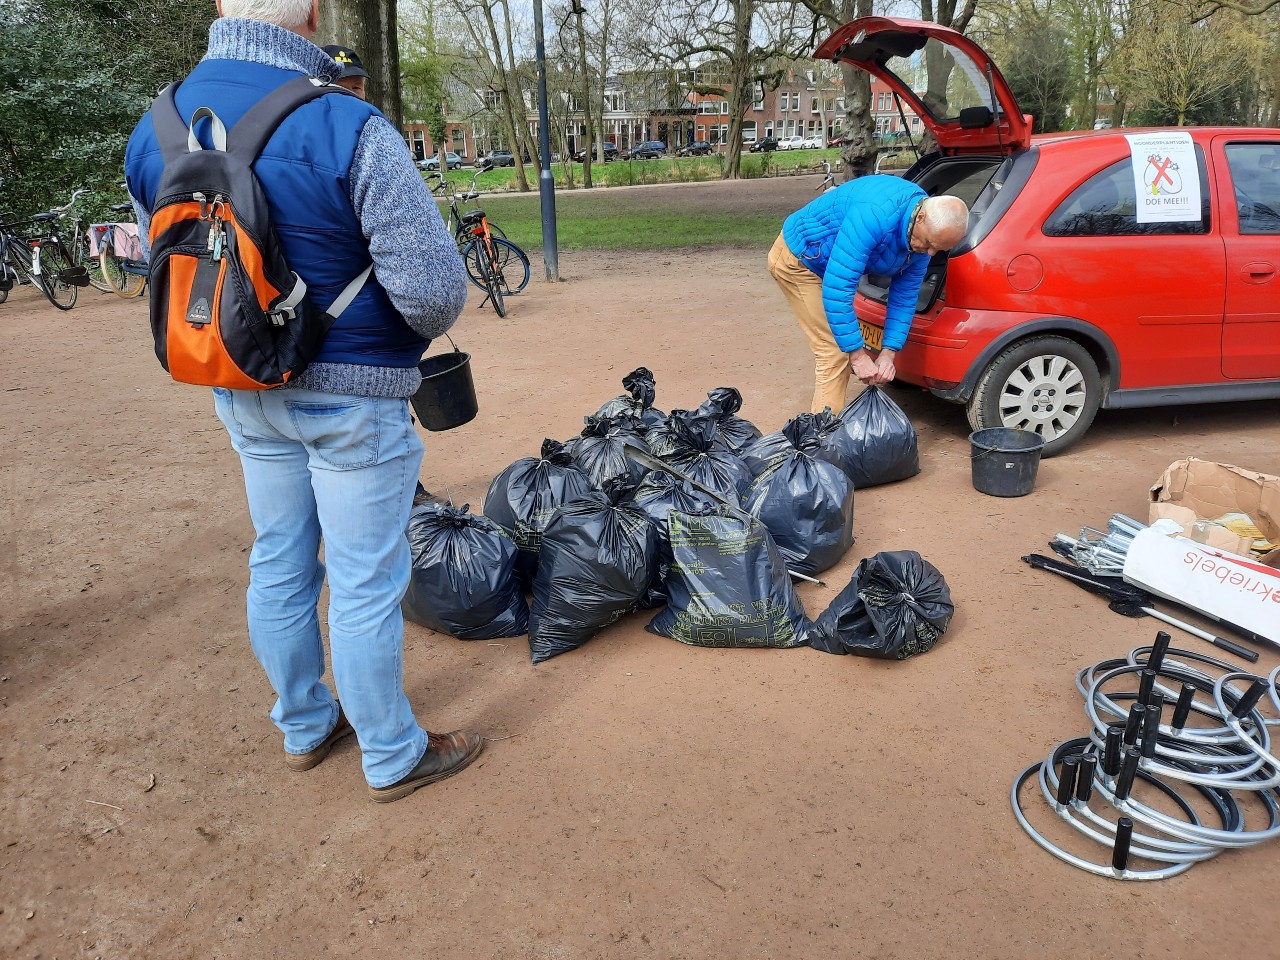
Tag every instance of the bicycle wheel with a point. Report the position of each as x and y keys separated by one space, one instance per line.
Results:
x=491 y=283
x=512 y=266
x=54 y=260
x=123 y=283
x=93 y=264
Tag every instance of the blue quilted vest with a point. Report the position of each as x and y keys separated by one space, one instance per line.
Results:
x=304 y=171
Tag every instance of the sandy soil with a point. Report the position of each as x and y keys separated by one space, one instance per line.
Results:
x=641 y=798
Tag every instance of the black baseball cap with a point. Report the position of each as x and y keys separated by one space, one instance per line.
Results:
x=347 y=59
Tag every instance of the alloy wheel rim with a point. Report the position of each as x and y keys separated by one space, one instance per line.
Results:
x=1045 y=395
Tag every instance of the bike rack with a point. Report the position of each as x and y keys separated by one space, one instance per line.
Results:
x=1088 y=782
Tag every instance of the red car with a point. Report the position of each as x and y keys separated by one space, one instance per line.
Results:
x=1102 y=269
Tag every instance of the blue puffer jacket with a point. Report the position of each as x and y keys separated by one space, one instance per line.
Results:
x=861 y=227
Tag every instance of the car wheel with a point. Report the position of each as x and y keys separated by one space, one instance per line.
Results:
x=1048 y=385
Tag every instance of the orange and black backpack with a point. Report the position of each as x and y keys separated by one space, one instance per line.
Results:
x=226 y=310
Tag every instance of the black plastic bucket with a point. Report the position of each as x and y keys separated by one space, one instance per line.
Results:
x=447 y=397
x=1005 y=461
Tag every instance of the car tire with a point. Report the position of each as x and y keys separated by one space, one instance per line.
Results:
x=1049 y=385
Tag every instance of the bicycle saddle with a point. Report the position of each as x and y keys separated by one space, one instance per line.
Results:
x=472 y=216
x=44 y=217
x=122 y=208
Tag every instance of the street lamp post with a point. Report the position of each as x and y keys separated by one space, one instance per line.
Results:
x=546 y=183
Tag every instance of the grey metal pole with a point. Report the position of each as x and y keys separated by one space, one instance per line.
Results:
x=546 y=183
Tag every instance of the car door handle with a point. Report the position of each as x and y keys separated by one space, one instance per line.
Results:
x=1258 y=271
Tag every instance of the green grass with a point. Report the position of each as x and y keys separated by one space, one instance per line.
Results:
x=634 y=220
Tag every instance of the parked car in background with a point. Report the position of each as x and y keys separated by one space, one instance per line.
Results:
x=791 y=143
x=836 y=141
x=764 y=145
x=610 y=153
x=816 y=142
x=699 y=148
x=646 y=150
x=1075 y=290
x=452 y=161
x=500 y=158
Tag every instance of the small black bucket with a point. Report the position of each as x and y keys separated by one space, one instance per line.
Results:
x=1005 y=461
x=447 y=397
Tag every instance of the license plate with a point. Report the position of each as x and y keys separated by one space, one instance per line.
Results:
x=872 y=337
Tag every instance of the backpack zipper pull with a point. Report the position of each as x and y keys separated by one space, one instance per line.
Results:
x=218 y=236
x=204 y=206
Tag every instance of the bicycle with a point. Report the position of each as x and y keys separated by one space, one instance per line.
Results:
x=828 y=179
x=80 y=245
x=15 y=258
x=474 y=234
x=46 y=260
x=124 y=266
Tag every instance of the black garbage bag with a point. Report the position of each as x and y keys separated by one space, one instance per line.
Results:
x=698 y=451
x=728 y=586
x=598 y=557
x=463 y=580
x=637 y=401
x=896 y=605
x=806 y=503
x=657 y=497
x=598 y=451
x=877 y=442
x=523 y=497
x=771 y=449
x=722 y=405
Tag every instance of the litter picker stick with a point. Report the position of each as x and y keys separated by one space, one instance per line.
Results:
x=1129 y=601
x=646 y=459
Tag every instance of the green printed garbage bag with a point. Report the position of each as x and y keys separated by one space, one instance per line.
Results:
x=728 y=585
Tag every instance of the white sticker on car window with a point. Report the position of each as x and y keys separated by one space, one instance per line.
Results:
x=1166 y=177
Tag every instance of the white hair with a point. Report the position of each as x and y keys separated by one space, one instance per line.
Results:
x=946 y=213
x=283 y=13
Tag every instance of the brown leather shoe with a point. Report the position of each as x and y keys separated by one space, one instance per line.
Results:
x=305 y=761
x=447 y=753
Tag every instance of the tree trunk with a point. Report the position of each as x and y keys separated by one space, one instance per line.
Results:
x=508 y=115
x=528 y=145
x=739 y=73
x=605 y=23
x=859 y=149
x=369 y=27
x=578 y=14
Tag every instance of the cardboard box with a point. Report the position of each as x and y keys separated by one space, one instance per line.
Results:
x=1193 y=491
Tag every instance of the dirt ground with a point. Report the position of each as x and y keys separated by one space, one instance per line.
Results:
x=641 y=798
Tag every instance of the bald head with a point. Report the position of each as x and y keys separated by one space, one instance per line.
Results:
x=941 y=224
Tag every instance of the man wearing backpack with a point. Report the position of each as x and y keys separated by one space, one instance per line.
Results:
x=332 y=454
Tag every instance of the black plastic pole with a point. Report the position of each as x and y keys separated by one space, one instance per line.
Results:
x=1111 y=751
x=1084 y=778
x=1067 y=779
x=546 y=182
x=1182 y=709
x=1120 y=851
x=1155 y=659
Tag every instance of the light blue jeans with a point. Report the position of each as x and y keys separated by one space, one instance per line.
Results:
x=342 y=468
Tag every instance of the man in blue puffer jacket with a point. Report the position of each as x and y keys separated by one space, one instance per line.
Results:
x=881 y=225
x=333 y=455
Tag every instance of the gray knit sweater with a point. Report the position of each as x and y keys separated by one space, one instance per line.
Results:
x=414 y=257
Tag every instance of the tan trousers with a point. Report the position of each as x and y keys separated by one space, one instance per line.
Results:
x=803 y=290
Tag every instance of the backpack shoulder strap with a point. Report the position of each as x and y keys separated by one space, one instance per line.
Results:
x=251 y=133
x=170 y=129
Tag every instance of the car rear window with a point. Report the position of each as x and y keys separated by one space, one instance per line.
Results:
x=1106 y=205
